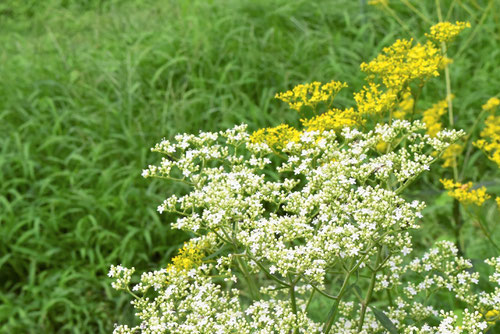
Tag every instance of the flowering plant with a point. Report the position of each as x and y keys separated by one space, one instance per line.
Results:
x=283 y=217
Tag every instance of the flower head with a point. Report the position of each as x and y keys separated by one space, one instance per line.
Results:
x=465 y=193
x=446 y=31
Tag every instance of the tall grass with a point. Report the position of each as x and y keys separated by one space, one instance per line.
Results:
x=88 y=86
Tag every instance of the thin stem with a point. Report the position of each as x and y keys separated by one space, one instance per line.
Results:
x=251 y=283
x=268 y=274
x=476 y=29
x=396 y=17
x=294 y=304
x=324 y=293
x=310 y=299
x=483 y=228
x=335 y=307
x=389 y=297
x=457 y=218
x=368 y=297
x=133 y=294
x=447 y=74
x=488 y=235
x=416 y=11
x=416 y=96
x=469 y=148
x=450 y=9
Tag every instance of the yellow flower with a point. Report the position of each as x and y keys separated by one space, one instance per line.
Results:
x=190 y=256
x=492 y=316
x=498 y=202
x=450 y=154
x=311 y=94
x=432 y=115
x=381 y=147
x=372 y=101
x=490 y=138
x=403 y=62
x=405 y=106
x=464 y=192
x=446 y=31
x=334 y=119
x=491 y=104
x=276 y=137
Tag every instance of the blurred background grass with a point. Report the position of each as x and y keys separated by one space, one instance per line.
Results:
x=88 y=86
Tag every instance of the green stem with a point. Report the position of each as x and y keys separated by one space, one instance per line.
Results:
x=416 y=96
x=268 y=274
x=294 y=305
x=467 y=138
x=416 y=11
x=476 y=29
x=335 y=307
x=457 y=217
x=396 y=17
x=310 y=299
x=368 y=297
x=254 y=292
x=484 y=229
x=389 y=297
x=324 y=293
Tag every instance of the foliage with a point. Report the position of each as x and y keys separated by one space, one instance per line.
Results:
x=86 y=85
x=290 y=215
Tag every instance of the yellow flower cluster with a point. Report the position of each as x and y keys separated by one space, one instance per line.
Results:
x=190 y=256
x=490 y=139
x=492 y=316
x=276 y=137
x=432 y=115
x=491 y=104
x=311 y=94
x=464 y=192
x=372 y=101
x=381 y=147
x=450 y=154
x=403 y=62
x=334 y=119
x=405 y=106
x=446 y=31
x=498 y=202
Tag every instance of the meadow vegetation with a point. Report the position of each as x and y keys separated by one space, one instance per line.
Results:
x=88 y=86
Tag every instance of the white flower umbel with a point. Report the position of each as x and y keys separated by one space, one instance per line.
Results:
x=277 y=230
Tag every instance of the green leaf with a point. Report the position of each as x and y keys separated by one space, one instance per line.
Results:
x=384 y=320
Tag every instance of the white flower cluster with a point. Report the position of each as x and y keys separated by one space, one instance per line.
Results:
x=440 y=268
x=315 y=218
x=121 y=275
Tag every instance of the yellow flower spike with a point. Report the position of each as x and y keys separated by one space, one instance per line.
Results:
x=464 y=192
x=311 y=94
x=446 y=31
x=491 y=104
x=432 y=115
x=372 y=101
x=404 y=62
x=334 y=119
x=276 y=137
x=498 y=202
x=450 y=154
x=490 y=136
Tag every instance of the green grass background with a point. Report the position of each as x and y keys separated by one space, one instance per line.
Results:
x=86 y=87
